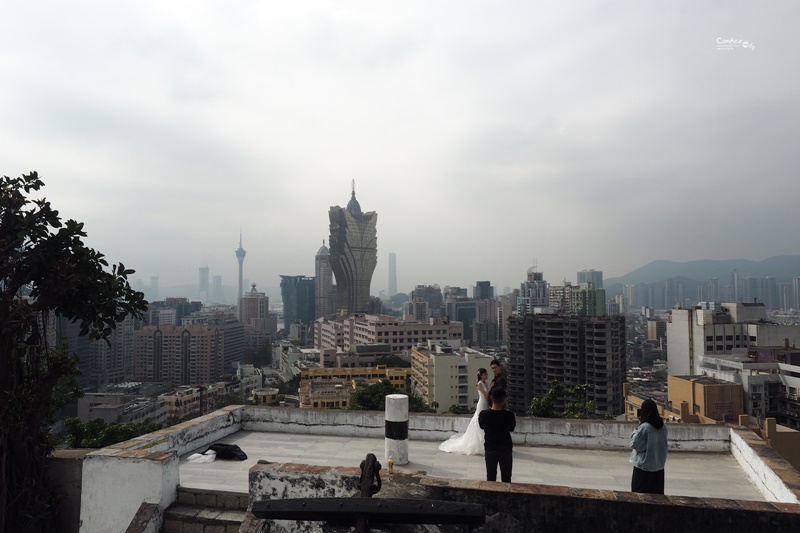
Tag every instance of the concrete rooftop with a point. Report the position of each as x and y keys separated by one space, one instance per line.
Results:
x=697 y=474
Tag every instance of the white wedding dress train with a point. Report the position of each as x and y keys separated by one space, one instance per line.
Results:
x=471 y=441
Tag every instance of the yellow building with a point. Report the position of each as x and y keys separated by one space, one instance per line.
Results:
x=334 y=387
x=693 y=399
x=446 y=376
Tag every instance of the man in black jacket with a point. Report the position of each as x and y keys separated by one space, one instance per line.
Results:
x=497 y=425
x=499 y=380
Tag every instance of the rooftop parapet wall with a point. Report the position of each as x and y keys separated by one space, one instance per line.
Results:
x=188 y=436
x=525 y=507
x=431 y=427
x=144 y=470
x=772 y=475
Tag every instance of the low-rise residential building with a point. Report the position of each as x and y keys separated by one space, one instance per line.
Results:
x=400 y=335
x=447 y=376
x=334 y=387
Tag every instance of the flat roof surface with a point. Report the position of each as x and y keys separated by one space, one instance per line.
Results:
x=698 y=474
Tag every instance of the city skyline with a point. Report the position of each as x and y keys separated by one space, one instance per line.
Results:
x=598 y=137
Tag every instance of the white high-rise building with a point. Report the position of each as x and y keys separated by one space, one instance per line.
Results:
x=533 y=293
x=706 y=331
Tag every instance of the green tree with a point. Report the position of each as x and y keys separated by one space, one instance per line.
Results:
x=46 y=271
x=392 y=361
x=97 y=434
x=577 y=405
x=290 y=387
x=373 y=398
x=456 y=409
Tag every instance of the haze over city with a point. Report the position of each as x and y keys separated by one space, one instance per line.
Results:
x=486 y=136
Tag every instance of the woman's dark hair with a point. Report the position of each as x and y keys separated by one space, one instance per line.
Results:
x=481 y=371
x=649 y=414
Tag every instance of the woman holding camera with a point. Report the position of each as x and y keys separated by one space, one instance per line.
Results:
x=649 y=444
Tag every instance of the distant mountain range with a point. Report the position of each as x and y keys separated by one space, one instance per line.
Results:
x=783 y=268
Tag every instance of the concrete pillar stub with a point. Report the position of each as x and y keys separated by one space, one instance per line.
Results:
x=396 y=428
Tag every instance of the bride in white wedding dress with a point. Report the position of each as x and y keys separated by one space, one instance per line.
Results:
x=471 y=441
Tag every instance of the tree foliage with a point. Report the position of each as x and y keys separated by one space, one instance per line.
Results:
x=392 y=361
x=373 y=398
x=577 y=405
x=46 y=271
x=456 y=409
x=96 y=433
x=291 y=387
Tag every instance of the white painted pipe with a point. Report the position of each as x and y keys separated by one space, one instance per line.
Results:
x=396 y=428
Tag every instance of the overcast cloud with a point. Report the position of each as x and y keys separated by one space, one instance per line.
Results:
x=486 y=135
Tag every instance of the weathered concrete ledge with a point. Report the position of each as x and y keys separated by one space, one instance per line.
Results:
x=526 y=507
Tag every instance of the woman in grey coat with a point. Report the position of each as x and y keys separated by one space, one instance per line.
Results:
x=649 y=444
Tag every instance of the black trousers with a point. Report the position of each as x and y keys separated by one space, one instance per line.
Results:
x=501 y=456
x=647 y=482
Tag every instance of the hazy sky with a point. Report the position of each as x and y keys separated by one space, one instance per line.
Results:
x=486 y=135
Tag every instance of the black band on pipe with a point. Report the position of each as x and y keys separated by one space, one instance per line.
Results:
x=397 y=430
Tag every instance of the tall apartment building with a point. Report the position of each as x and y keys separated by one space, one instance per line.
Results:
x=254 y=310
x=445 y=375
x=574 y=350
x=343 y=335
x=483 y=290
x=505 y=308
x=704 y=331
x=416 y=310
x=178 y=355
x=353 y=255
x=113 y=360
x=595 y=277
x=587 y=300
x=323 y=283
x=258 y=325
x=560 y=297
x=298 y=294
x=464 y=310
x=533 y=293
x=433 y=295
x=203 y=289
x=217 y=293
x=392 y=274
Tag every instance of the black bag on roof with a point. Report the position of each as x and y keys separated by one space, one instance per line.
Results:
x=228 y=451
